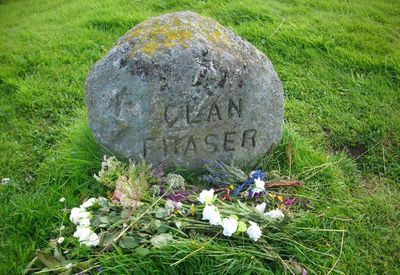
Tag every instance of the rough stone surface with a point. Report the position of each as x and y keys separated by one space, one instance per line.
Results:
x=179 y=89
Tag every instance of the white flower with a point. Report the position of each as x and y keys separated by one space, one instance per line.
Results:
x=169 y=206
x=254 y=231
x=77 y=214
x=84 y=222
x=206 y=196
x=62 y=199
x=62 y=227
x=261 y=208
x=211 y=213
x=93 y=240
x=89 y=203
x=86 y=236
x=82 y=232
x=5 y=181
x=259 y=185
x=230 y=226
x=60 y=240
x=68 y=266
x=275 y=214
x=178 y=205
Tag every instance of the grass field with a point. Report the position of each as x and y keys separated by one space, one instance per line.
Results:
x=339 y=62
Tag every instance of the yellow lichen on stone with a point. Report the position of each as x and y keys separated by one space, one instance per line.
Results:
x=157 y=35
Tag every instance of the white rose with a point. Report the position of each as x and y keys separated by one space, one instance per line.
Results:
x=260 y=208
x=230 y=226
x=77 y=214
x=211 y=213
x=259 y=185
x=275 y=214
x=89 y=203
x=254 y=231
x=206 y=196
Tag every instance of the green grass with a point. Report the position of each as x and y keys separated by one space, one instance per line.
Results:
x=339 y=62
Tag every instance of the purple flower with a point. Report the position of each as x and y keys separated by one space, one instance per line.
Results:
x=178 y=196
x=289 y=202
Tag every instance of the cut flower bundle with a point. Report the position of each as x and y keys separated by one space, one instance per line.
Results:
x=146 y=209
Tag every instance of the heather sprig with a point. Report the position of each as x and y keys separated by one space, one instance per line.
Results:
x=222 y=175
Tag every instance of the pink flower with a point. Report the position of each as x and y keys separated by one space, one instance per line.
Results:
x=116 y=197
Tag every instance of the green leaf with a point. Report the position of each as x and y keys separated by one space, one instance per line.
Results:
x=161 y=213
x=108 y=238
x=48 y=260
x=95 y=221
x=242 y=227
x=161 y=239
x=142 y=251
x=128 y=242
x=178 y=224
x=104 y=219
x=125 y=214
x=66 y=272
x=58 y=255
x=163 y=228
x=156 y=224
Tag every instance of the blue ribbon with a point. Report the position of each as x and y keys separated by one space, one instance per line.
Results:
x=253 y=175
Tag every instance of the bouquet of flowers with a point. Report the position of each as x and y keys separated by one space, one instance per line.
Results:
x=147 y=210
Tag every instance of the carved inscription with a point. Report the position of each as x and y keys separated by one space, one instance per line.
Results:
x=230 y=110
x=214 y=112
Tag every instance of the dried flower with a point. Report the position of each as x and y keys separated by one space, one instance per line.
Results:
x=221 y=174
x=158 y=173
x=175 y=182
x=127 y=192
